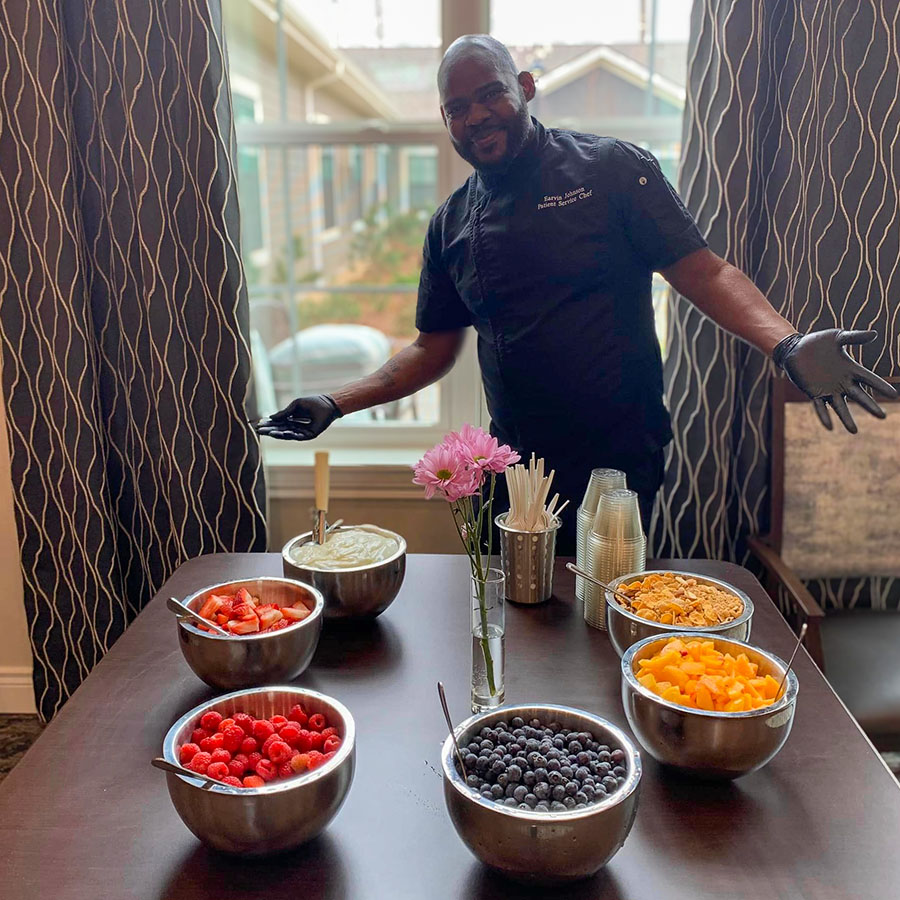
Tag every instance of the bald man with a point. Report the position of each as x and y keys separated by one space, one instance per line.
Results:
x=548 y=251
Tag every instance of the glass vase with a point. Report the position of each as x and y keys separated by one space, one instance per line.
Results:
x=488 y=640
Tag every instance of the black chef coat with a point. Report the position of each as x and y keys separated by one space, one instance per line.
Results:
x=552 y=263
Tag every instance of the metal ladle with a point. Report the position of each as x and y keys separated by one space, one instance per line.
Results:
x=459 y=755
x=167 y=766
x=185 y=612
x=582 y=574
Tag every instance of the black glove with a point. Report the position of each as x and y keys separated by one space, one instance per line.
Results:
x=304 y=419
x=820 y=366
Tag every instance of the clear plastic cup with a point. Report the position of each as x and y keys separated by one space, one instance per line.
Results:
x=583 y=523
x=618 y=516
x=608 y=558
x=601 y=481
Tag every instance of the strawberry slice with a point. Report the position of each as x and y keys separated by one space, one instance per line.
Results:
x=296 y=613
x=243 y=596
x=212 y=605
x=244 y=626
x=269 y=615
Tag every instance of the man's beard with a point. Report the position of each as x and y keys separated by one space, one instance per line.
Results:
x=516 y=137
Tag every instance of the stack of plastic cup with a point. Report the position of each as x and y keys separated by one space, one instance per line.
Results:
x=602 y=481
x=616 y=545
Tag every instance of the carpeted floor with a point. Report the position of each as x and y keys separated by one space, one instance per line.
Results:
x=17 y=734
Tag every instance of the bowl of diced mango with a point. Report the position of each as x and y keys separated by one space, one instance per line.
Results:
x=705 y=705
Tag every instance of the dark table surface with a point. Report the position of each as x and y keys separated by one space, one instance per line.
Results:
x=85 y=816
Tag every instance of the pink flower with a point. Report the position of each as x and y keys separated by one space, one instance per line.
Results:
x=445 y=470
x=483 y=450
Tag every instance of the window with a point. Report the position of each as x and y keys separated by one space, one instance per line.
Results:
x=343 y=158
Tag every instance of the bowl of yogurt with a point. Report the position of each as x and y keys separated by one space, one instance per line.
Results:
x=359 y=569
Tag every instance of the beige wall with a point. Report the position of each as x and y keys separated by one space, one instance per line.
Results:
x=15 y=654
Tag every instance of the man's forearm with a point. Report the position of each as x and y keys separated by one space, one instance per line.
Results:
x=729 y=298
x=412 y=369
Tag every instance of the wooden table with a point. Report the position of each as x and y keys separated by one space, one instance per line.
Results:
x=85 y=816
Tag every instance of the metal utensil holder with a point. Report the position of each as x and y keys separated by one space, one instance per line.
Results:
x=527 y=558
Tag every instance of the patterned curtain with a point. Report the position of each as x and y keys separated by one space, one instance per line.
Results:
x=792 y=166
x=123 y=313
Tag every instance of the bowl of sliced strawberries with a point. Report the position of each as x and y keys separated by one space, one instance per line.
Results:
x=273 y=627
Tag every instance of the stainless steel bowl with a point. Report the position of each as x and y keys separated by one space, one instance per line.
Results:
x=540 y=847
x=284 y=813
x=363 y=592
x=251 y=660
x=625 y=628
x=714 y=745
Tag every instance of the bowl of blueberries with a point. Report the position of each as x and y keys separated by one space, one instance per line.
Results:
x=549 y=792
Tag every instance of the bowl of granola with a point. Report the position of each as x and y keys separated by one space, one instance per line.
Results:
x=662 y=601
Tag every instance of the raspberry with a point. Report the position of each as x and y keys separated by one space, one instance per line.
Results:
x=242 y=720
x=328 y=732
x=221 y=755
x=198 y=734
x=331 y=744
x=285 y=770
x=233 y=738
x=237 y=767
x=200 y=762
x=206 y=745
x=249 y=745
x=318 y=740
x=253 y=759
x=317 y=722
x=210 y=720
x=290 y=734
x=217 y=740
x=300 y=762
x=298 y=715
x=279 y=752
x=278 y=722
x=329 y=755
x=315 y=759
x=232 y=780
x=253 y=781
x=305 y=741
x=266 y=770
x=263 y=728
x=225 y=723
x=217 y=771
x=186 y=753
x=269 y=741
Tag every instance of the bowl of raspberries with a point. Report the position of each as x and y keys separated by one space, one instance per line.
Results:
x=549 y=792
x=282 y=759
x=274 y=626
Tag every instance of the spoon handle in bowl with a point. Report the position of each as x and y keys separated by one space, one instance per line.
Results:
x=446 y=709
x=186 y=612
x=167 y=766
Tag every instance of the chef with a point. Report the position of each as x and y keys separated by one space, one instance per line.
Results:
x=548 y=252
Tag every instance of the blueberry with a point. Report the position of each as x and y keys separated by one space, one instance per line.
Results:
x=541 y=807
x=542 y=791
x=581 y=797
x=539 y=762
x=588 y=791
x=567 y=772
x=514 y=749
x=572 y=788
x=496 y=791
x=524 y=806
x=510 y=802
x=487 y=795
x=517 y=721
x=521 y=762
x=554 y=727
x=559 y=743
x=503 y=779
x=487 y=745
x=610 y=783
x=555 y=778
x=541 y=774
x=484 y=731
x=558 y=792
x=582 y=772
x=604 y=755
x=481 y=764
x=599 y=791
x=601 y=769
x=507 y=759
x=510 y=790
x=583 y=758
x=590 y=780
x=531 y=745
x=569 y=802
x=514 y=772
x=520 y=792
x=535 y=723
x=474 y=747
x=531 y=800
x=473 y=781
x=471 y=759
x=581 y=806
x=575 y=747
x=529 y=778
x=500 y=726
x=618 y=755
x=553 y=765
x=555 y=806
x=594 y=747
x=497 y=766
x=619 y=772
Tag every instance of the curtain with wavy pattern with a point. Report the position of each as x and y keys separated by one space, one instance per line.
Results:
x=792 y=167
x=123 y=314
